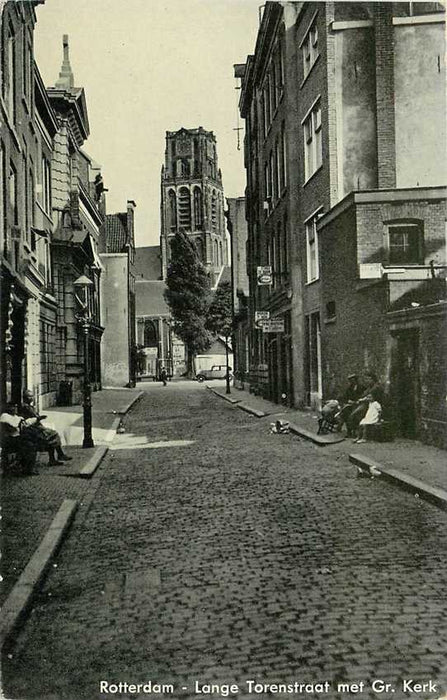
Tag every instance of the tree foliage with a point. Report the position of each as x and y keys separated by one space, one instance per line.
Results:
x=220 y=313
x=187 y=294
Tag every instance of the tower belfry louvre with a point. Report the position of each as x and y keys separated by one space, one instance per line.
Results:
x=192 y=197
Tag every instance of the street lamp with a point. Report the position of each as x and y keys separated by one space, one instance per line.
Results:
x=84 y=319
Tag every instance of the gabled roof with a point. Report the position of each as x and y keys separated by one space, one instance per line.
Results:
x=116 y=232
x=148 y=263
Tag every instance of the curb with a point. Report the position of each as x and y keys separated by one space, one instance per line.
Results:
x=321 y=440
x=128 y=406
x=93 y=463
x=226 y=397
x=254 y=411
x=19 y=600
x=433 y=494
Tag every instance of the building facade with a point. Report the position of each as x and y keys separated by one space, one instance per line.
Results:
x=237 y=228
x=78 y=201
x=27 y=131
x=192 y=197
x=117 y=253
x=364 y=197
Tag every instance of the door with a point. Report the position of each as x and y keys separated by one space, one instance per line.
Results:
x=406 y=389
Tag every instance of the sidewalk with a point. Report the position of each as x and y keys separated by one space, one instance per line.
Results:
x=410 y=458
x=30 y=504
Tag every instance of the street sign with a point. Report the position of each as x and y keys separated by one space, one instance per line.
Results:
x=273 y=325
x=370 y=271
x=260 y=318
x=264 y=275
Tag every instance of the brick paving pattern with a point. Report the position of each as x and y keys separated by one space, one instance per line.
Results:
x=242 y=555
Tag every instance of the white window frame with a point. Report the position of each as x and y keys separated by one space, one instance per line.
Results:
x=309 y=47
x=313 y=143
x=313 y=270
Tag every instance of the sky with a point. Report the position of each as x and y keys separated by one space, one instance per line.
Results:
x=147 y=67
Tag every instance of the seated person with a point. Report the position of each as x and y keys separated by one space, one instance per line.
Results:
x=18 y=435
x=372 y=417
x=350 y=399
x=47 y=438
x=374 y=388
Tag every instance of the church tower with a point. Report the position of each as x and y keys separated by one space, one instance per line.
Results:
x=192 y=197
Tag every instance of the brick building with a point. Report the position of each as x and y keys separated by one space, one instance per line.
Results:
x=117 y=253
x=27 y=131
x=362 y=194
x=156 y=344
x=237 y=228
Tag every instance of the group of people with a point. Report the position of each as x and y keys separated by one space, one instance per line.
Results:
x=25 y=433
x=361 y=406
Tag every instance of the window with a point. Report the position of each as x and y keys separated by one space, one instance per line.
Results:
x=309 y=48
x=197 y=208
x=283 y=164
x=405 y=243
x=280 y=70
x=213 y=210
x=330 y=310
x=172 y=211
x=13 y=195
x=9 y=86
x=46 y=185
x=312 y=249
x=313 y=153
x=184 y=208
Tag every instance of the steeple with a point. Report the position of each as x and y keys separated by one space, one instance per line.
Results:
x=66 y=79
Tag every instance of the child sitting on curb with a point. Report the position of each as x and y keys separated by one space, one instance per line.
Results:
x=372 y=417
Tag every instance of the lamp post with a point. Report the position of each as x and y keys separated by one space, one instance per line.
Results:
x=84 y=319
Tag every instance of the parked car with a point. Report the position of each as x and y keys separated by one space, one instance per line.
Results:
x=216 y=372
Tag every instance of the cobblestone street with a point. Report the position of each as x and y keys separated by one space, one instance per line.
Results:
x=216 y=552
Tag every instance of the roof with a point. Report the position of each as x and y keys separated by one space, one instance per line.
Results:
x=149 y=298
x=148 y=263
x=116 y=232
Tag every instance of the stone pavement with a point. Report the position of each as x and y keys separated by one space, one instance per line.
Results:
x=424 y=462
x=214 y=551
x=30 y=503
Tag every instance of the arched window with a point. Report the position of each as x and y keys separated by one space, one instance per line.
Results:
x=221 y=253
x=184 y=208
x=198 y=219
x=216 y=253
x=150 y=334
x=213 y=209
x=172 y=210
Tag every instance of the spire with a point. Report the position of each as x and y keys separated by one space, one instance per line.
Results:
x=66 y=79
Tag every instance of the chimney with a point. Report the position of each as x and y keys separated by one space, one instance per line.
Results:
x=130 y=221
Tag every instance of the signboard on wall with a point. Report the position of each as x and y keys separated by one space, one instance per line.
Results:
x=370 y=271
x=264 y=275
x=273 y=325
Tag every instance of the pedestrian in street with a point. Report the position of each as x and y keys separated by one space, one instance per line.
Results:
x=164 y=376
x=47 y=438
x=372 y=417
x=18 y=437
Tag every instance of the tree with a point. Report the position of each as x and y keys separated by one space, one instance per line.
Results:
x=187 y=294
x=220 y=318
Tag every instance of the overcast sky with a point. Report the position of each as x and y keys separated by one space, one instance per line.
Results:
x=151 y=66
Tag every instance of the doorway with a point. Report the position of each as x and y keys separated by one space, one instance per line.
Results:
x=405 y=382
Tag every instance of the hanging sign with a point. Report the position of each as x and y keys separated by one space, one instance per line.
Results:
x=273 y=325
x=264 y=275
x=260 y=318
